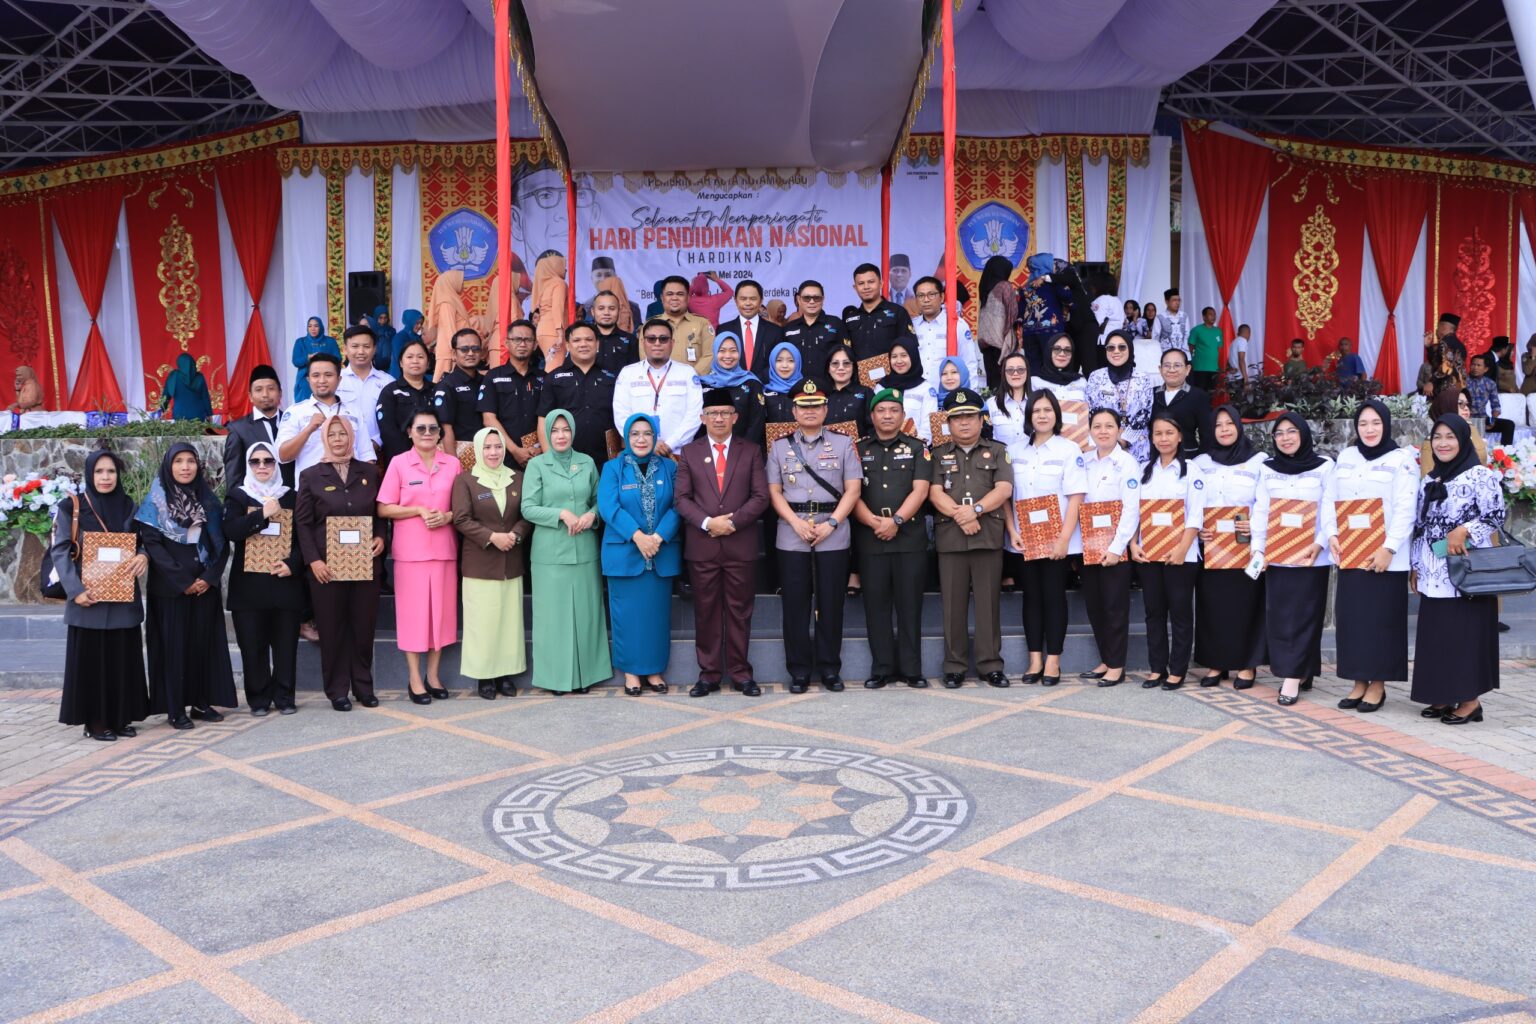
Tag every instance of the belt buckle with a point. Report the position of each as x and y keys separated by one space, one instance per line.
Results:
x=885 y=513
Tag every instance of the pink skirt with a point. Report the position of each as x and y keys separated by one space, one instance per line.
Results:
x=426 y=605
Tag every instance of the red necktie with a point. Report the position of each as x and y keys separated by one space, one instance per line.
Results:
x=746 y=351
x=720 y=468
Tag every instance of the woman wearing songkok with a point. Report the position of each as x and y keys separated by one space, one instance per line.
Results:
x=1118 y=386
x=847 y=399
x=906 y=377
x=1229 y=604
x=104 y=688
x=1456 y=648
x=487 y=510
x=402 y=398
x=726 y=372
x=1110 y=474
x=182 y=531
x=417 y=494
x=1060 y=374
x=1046 y=465
x=1168 y=578
x=1371 y=608
x=1296 y=590
x=642 y=554
x=783 y=374
x=266 y=603
x=346 y=611
x=560 y=499
x=312 y=342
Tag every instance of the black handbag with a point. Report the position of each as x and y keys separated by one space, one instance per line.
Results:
x=1509 y=568
x=49 y=583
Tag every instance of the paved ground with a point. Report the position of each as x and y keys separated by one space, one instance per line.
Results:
x=1062 y=855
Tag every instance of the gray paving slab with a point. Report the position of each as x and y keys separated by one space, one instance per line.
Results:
x=187 y=1003
x=128 y=823
x=564 y=725
x=373 y=769
x=1472 y=920
x=13 y=874
x=1457 y=827
x=1300 y=783
x=1284 y=986
x=1231 y=868
x=978 y=949
x=68 y=953
x=226 y=898
x=743 y=999
x=894 y=714
x=1056 y=743
x=316 y=722
x=502 y=954
x=1129 y=700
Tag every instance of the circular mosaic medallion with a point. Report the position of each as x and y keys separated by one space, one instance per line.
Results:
x=738 y=817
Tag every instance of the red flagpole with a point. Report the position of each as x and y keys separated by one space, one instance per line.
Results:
x=951 y=230
x=496 y=346
x=885 y=224
x=570 y=247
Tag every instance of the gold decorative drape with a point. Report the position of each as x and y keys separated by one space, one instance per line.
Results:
x=335 y=251
x=1077 y=230
x=383 y=213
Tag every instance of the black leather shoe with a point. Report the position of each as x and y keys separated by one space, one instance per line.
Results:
x=799 y=685
x=417 y=698
x=953 y=680
x=1169 y=684
x=748 y=688
x=1350 y=703
x=105 y=736
x=997 y=679
x=1153 y=682
x=437 y=692
x=1106 y=681
x=506 y=687
x=832 y=684
x=259 y=712
x=369 y=701
x=1030 y=678
x=488 y=690
x=342 y=705
x=1366 y=708
x=1239 y=683
x=1214 y=679
x=917 y=682
x=1050 y=680
x=1436 y=711
x=126 y=730
x=702 y=689
x=181 y=721
x=875 y=682
x=1455 y=719
x=287 y=709
x=1306 y=684
x=206 y=715
x=1093 y=675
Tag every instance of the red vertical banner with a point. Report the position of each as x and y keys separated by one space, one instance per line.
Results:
x=173 y=242
x=504 y=282
x=1473 y=262
x=253 y=203
x=86 y=219
x=951 y=222
x=30 y=332
x=1316 y=245
x=1395 y=205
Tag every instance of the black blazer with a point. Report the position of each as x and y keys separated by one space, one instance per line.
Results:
x=243 y=433
x=1192 y=408
x=249 y=591
x=768 y=335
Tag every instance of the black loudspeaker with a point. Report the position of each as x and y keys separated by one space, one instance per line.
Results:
x=366 y=290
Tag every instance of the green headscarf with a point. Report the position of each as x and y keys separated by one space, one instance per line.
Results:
x=562 y=459
x=495 y=480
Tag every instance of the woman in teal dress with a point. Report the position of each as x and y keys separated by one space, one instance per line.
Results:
x=642 y=553
x=188 y=390
x=570 y=646
x=313 y=341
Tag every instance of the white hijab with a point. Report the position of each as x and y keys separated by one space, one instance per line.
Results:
x=274 y=488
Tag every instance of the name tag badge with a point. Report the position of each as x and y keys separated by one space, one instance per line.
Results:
x=1291 y=520
x=630 y=487
x=109 y=554
x=414 y=483
x=1039 y=515
x=1102 y=522
x=693 y=353
x=270 y=530
x=349 y=537
x=1379 y=475
x=1226 y=526
x=1162 y=518
x=1359 y=522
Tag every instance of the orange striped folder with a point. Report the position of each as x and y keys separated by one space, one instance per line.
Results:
x=1362 y=531
x=1074 y=424
x=1039 y=524
x=1098 y=521
x=1224 y=552
x=1292 y=531
x=1162 y=527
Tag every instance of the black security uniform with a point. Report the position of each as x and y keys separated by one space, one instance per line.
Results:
x=454 y=400
x=616 y=350
x=588 y=396
x=892 y=571
x=849 y=404
x=399 y=402
x=815 y=342
x=874 y=331
x=513 y=398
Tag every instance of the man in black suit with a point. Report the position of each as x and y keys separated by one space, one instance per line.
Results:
x=758 y=334
x=261 y=425
x=1191 y=406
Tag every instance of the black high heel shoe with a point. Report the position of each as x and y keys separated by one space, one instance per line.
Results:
x=418 y=698
x=437 y=692
x=1239 y=683
x=1455 y=719
x=1154 y=681
x=1093 y=675
x=104 y=736
x=1104 y=680
x=1285 y=701
x=1306 y=684
x=1214 y=679
x=1169 y=684
x=1436 y=711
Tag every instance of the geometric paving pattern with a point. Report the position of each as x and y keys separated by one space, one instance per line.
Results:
x=1079 y=854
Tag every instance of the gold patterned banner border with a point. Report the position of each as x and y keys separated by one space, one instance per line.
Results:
x=145 y=161
x=1114 y=225
x=1077 y=230
x=928 y=148
x=406 y=155
x=383 y=212
x=336 y=251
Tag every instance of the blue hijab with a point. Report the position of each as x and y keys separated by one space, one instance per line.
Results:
x=938 y=391
x=1040 y=264
x=646 y=469
x=303 y=347
x=189 y=390
x=782 y=385
x=718 y=378
x=407 y=333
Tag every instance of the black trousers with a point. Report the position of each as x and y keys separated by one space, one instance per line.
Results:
x=269 y=649
x=824 y=595
x=1204 y=379
x=893 y=583
x=1044 y=582
x=346 y=614
x=1169 y=592
x=1107 y=593
x=1504 y=428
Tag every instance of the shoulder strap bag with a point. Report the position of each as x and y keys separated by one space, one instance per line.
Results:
x=1509 y=568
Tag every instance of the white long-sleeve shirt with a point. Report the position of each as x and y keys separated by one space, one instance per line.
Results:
x=1166 y=484
x=933 y=346
x=1054 y=468
x=667 y=392
x=298 y=416
x=1115 y=477
x=1315 y=486
x=1394 y=480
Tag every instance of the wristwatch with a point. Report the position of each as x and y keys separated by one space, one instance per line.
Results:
x=979 y=509
x=897 y=519
x=834 y=522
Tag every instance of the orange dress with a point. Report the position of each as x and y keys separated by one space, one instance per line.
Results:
x=548 y=302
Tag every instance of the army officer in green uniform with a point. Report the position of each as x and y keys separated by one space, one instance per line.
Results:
x=813 y=482
x=891 y=542
x=972 y=491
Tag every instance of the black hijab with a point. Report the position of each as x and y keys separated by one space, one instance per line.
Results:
x=1239 y=451
x=1122 y=373
x=996 y=270
x=1305 y=458
x=913 y=378
x=1386 y=445
x=188 y=503
x=104 y=511
x=1442 y=472
x=1059 y=375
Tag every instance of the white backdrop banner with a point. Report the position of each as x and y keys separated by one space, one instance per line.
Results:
x=779 y=230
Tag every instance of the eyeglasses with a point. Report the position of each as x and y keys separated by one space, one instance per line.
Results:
x=1016 y=371
x=1117 y=348
x=523 y=339
x=1288 y=432
x=927 y=295
x=1062 y=351
x=470 y=348
x=427 y=428
x=658 y=337
x=719 y=412
x=263 y=462
x=811 y=298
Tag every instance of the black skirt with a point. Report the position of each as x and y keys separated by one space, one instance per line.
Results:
x=1295 y=602
x=1229 y=620
x=1455 y=649
x=103 y=677
x=1371 y=616
x=188 y=653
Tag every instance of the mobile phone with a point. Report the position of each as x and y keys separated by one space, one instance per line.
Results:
x=1439 y=548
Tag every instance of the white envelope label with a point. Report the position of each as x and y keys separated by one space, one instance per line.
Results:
x=878 y=373
x=109 y=554
x=1069 y=419
x=272 y=530
x=1162 y=518
x=1359 y=522
x=1102 y=522
x=1039 y=515
x=349 y=537
x=1290 y=519
x=1226 y=526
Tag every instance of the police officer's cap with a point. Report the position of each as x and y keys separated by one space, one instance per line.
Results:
x=808 y=392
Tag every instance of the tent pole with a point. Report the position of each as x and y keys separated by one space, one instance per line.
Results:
x=885 y=226
x=495 y=346
x=951 y=231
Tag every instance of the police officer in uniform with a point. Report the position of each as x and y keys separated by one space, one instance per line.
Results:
x=972 y=492
x=813 y=332
x=876 y=323
x=814 y=483
x=891 y=542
